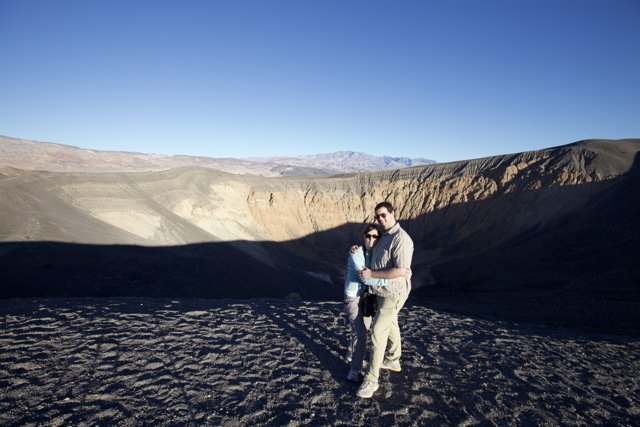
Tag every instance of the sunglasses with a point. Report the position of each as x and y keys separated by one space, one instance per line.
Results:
x=371 y=236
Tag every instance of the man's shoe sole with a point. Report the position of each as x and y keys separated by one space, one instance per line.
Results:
x=389 y=368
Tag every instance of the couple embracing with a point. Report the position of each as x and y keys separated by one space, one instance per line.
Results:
x=383 y=267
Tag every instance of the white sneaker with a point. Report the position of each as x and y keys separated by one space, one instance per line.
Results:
x=354 y=375
x=367 y=389
x=391 y=366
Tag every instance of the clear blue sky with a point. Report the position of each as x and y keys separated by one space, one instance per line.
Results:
x=445 y=80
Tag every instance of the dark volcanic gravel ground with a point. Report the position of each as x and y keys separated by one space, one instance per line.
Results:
x=138 y=361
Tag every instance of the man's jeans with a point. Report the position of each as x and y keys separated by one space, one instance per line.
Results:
x=385 y=336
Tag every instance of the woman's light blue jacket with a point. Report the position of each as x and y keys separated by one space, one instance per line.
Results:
x=353 y=286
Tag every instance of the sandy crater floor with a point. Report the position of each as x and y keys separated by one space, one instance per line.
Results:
x=141 y=361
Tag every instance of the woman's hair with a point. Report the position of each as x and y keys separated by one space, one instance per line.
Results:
x=370 y=227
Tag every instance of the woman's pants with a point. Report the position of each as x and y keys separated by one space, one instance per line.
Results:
x=359 y=327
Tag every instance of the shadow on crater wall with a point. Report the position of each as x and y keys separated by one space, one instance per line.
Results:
x=503 y=257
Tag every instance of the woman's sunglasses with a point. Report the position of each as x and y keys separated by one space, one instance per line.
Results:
x=371 y=236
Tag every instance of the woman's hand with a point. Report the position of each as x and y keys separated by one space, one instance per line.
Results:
x=365 y=274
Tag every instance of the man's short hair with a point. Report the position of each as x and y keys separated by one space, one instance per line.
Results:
x=388 y=206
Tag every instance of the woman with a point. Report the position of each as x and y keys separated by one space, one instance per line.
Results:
x=354 y=289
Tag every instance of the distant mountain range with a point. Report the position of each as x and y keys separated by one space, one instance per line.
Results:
x=47 y=156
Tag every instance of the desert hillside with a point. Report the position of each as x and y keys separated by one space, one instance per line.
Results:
x=551 y=231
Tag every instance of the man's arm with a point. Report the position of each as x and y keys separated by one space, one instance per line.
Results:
x=356 y=261
x=389 y=274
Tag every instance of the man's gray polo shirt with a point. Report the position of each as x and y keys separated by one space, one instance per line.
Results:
x=394 y=249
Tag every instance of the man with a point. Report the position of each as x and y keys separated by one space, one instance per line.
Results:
x=393 y=251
